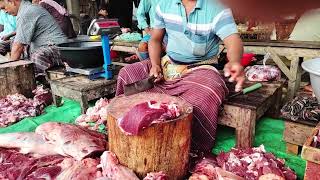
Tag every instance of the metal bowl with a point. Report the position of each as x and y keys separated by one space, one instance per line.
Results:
x=85 y=54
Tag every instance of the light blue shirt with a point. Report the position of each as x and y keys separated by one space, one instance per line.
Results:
x=194 y=38
x=9 y=23
x=146 y=7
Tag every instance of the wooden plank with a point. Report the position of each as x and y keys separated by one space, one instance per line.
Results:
x=292 y=148
x=17 y=77
x=278 y=61
x=296 y=133
x=132 y=50
x=229 y=116
x=287 y=44
x=245 y=133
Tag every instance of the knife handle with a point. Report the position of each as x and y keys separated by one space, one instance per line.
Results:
x=252 y=88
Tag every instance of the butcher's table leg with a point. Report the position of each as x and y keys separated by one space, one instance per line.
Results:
x=245 y=130
x=294 y=82
x=56 y=100
x=84 y=104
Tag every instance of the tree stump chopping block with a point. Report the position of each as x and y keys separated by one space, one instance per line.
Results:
x=17 y=77
x=161 y=147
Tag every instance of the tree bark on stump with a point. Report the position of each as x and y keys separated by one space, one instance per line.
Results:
x=160 y=147
x=17 y=77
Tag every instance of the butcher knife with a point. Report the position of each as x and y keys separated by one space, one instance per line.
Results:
x=139 y=86
x=247 y=90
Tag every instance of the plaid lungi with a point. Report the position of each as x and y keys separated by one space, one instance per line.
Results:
x=45 y=58
x=203 y=88
x=5 y=47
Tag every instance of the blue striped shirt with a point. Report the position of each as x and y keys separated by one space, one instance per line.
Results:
x=194 y=38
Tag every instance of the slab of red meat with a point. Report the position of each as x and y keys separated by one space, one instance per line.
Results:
x=156 y=176
x=72 y=140
x=16 y=166
x=113 y=170
x=253 y=163
x=28 y=143
x=85 y=169
x=143 y=115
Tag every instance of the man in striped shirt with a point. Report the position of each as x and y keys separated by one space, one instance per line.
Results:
x=194 y=29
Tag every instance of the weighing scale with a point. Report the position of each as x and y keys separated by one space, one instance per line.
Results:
x=107 y=28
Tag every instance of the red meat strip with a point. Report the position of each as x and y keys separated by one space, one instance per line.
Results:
x=113 y=170
x=253 y=163
x=72 y=140
x=156 y=176
x=143 y=115
x=14 y=165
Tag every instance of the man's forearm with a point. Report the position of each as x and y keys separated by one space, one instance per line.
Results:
x=17 y=50
x=234 y=47
x=155 y=48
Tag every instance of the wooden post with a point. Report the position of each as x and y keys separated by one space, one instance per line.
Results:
x=160 y=147
x=74 y=9
x=17 y=77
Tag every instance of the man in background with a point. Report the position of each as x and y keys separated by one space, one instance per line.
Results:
x=9 y=27
x=38 y=29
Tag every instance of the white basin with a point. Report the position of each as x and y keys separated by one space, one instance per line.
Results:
x=313 y=67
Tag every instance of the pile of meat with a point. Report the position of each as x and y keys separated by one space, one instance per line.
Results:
x=208 y=169
x=254 y=164
x=95 y=116
x=15 y=107
x=62 y=152
x=143 y=115
x=316 y=140
x=261 y=73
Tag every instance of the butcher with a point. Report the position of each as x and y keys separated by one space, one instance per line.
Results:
x=194 y=29
x=38 y=29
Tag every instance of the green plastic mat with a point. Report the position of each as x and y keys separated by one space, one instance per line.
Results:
x=268 y=132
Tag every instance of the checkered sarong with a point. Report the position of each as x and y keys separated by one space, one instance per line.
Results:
x=45 y=58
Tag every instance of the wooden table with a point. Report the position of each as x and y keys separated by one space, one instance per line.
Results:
x=81 y=89
x=281 y=51
x=293 y=51
x=243 y=111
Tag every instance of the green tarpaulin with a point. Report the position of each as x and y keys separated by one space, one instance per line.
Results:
x=268 y=132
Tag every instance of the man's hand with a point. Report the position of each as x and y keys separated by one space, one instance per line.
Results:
x=147 y=30
x=235 y=71
x=156 y=72
x=5 y=38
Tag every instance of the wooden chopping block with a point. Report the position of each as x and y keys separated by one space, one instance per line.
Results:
x=17 y=77
x=160 y=147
